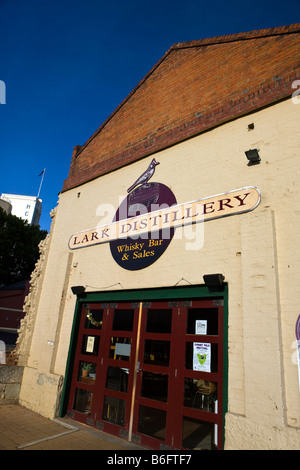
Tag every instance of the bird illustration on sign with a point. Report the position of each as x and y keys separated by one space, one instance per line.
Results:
x=144 y=178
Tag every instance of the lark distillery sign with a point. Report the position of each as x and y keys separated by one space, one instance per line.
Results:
x=136 y=241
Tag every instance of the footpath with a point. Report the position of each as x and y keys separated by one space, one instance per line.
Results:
x=22 y=429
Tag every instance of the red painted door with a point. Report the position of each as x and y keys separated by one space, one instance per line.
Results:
x=178 y=403
x=106 y=346
x=156 y=372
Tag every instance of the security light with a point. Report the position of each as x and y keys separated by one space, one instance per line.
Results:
x=213 y=280
x=253 y=157
x=78 y=290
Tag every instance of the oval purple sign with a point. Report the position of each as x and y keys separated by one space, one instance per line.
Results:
x=139 y=252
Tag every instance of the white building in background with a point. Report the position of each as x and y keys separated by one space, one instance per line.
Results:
x=28 y=208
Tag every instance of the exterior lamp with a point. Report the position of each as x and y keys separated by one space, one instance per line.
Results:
x=253 y=157
x=78 y=290
x=213 y=281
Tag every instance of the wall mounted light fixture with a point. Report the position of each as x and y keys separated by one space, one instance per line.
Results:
x=78 y=290
x=253 y=157
x=213 y=280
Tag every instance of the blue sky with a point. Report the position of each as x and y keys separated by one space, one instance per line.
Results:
x=67 y=64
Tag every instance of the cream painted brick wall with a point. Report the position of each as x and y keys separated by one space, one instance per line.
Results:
x=257 y=252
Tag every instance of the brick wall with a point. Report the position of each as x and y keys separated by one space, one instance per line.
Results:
x=194 y=87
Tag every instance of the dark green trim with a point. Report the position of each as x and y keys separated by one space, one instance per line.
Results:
x=225 y=359
x=163 y=293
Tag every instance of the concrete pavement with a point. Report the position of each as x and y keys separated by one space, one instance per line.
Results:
x=22 y=429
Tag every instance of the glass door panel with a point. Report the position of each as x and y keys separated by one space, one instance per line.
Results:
x=157 y=352
x=200 y=394
x=90 y=345
x=155 y=386
x=202 y=321
x=120 y=348
x=201 y=356
x=197 y=434
x=83 y=401
x=93 y=319
x=152 y=422
x=87 y=372
x=117 y=379
x=159 y=321
x=114 y=410
x=123 y=319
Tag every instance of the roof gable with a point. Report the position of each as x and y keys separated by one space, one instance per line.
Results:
x=194 y=87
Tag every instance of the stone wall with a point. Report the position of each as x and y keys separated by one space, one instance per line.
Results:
x=10 y=383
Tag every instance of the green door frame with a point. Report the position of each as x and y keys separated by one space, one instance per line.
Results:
x=141 y=295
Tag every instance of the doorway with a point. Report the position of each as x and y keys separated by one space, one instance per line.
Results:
x=151 y=372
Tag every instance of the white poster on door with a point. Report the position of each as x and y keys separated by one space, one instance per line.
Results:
x=90 y=344
x=202 y=357
x=201 y=327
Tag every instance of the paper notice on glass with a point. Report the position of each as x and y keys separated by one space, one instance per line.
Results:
x=202 y=357
x=122 y=349
x=90 y=344
x=201 y=327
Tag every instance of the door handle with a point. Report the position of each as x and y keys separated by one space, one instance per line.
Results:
x=138 y=369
